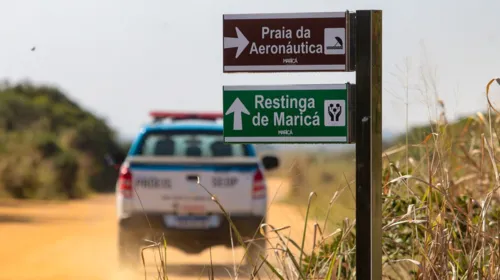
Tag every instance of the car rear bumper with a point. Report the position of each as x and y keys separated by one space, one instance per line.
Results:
x=193 y=240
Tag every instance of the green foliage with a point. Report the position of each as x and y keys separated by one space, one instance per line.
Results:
x=50 y=146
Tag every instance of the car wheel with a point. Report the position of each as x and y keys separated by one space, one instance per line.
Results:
x=129 y=245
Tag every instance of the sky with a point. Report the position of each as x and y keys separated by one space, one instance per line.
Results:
x=121 y=58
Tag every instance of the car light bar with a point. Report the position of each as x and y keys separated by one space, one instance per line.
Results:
x=160 y=115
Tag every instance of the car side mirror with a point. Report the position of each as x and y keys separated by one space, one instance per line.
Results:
x=270 y=162
x=114 y=160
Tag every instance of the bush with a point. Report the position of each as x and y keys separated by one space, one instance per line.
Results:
x=47 y=146
x=50 y=146
x=66 y=167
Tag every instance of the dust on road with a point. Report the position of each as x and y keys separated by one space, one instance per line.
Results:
x=77 y=240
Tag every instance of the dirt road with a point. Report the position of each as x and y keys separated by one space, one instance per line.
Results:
x=77 y=240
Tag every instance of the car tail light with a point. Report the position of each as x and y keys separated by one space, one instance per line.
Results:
x=259 y=185
x=125 y=181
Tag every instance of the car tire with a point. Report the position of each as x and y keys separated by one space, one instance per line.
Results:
x=129 y=245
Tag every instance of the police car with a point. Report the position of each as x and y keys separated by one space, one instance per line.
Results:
x=159 y=187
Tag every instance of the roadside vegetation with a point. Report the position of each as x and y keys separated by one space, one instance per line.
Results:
x=50 y=147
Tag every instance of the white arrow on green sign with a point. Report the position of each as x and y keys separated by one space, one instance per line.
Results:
x=237 y=108
x=286 y=114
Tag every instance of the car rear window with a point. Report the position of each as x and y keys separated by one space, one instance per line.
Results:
x=189 y=143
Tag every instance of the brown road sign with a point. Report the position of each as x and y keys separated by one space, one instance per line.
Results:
x=286 y=42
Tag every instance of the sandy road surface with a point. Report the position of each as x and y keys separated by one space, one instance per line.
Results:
x=77 y=240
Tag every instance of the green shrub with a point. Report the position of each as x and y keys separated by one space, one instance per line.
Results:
x=66 y=167
x=50 y=146
x=46 y=145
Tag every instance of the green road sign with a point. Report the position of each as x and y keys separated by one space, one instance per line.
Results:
x=286 y=114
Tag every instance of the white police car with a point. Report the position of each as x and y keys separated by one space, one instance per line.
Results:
x=157 y=190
